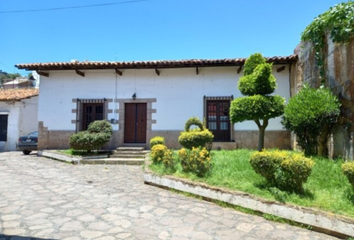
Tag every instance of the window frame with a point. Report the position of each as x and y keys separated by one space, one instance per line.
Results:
x=80 y=103
x=219 y=99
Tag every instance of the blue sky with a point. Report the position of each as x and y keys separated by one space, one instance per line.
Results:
x=151 y=30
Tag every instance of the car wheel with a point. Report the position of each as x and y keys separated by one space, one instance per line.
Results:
x=26 y=152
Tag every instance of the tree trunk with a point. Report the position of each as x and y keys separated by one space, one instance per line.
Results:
x=261 y=133
x=322 y=143
x=261 y=139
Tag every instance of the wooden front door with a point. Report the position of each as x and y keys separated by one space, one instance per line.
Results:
x=218 y=121
x=135 y=123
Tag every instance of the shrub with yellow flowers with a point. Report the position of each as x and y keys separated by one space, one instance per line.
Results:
x=157 y=153
x=197 y=160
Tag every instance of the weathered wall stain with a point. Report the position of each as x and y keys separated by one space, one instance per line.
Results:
x=339 y=77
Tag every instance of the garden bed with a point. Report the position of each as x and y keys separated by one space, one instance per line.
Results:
x=327 y=189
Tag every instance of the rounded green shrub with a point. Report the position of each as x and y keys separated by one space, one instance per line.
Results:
x=102 y=126
x=97 y=134
x=197 y=160
x=282 y=169
x=198 y=137
x=266 y=163
x=348 y=171
x=157 y=153
x=311 y=115
x=195 y=138
x=157 y=140
x=294 y=171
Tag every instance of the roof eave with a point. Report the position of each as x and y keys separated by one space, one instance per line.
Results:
x=149 y=64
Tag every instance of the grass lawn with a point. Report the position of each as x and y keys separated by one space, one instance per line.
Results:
x=326 y=189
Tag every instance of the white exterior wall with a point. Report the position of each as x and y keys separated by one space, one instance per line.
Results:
x=22 y=119
x=179 y=93
x=28 y=121
x=13 y=110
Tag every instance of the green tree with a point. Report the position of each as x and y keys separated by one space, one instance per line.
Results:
x=13 y=75
x=9 y=76
x=257 y=84
x=311 y=115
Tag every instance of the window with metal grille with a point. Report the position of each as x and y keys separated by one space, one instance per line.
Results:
x=3 y=128
x=217 y=118
x=91 y=113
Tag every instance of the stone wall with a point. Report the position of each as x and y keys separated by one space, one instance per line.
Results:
x=54 y=139
x=48 y=139
x=243 y=139
x=57 y=139
x=272 y=139
x=339 y=77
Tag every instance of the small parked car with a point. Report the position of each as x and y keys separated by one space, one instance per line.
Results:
x=28 y=143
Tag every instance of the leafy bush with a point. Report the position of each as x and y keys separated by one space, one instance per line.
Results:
x=256 y=107
x=97 y=134
x=195 y=138
x=197 y=160
x=193 y=121
x=282 y=169
x=198 y=137
x=337 y=22
x=156 y=140
x=294 y=171
x=102 y=126
x=348 y=170
x=311 y=115
x=168 y=160
x=266 y=163
x=252 y=62
x=261 y=81
x=157 y=153
x=183 y=156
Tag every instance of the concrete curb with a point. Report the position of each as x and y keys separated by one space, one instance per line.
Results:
x=98 y=159
x=321 y=221
x=69 y=159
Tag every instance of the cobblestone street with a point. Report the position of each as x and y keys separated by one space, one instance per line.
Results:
x=45 y=199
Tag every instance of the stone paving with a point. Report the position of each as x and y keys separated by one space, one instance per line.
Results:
x=46 y=199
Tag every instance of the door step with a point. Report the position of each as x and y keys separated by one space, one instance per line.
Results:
x=129 y=155
x=133 y=145
x=130 y=149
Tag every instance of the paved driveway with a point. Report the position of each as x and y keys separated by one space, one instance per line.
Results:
x=46 y=199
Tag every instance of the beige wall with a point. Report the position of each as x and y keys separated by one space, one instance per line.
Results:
x=243 y=139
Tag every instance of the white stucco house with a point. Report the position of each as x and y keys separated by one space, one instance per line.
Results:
x=18 y=115
x=143 y=99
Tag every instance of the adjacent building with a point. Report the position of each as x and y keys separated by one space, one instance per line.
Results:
x=18 y=115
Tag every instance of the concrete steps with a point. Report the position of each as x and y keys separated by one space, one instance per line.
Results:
x=127 y=155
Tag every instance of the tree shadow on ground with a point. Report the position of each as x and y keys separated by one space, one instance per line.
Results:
x=15 y=237
x=282 y=195
x=349 y=194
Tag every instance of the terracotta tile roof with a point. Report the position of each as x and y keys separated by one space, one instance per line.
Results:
x=149 y=64
x=17 y=94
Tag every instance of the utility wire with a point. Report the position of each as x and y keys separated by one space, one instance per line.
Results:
x=73 y=7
